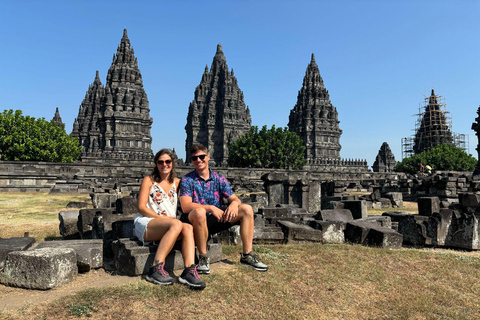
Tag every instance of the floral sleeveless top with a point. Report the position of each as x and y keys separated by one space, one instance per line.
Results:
x=161 y=202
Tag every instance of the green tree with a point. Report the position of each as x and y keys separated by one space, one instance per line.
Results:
x=442 y=157
x=267 y=148
x=28 y=139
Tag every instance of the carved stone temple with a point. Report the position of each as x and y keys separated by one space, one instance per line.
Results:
x=385 y=160
x=315 y=119
x=57 y=119
x=218 y=114
x=114 y=121
x=476 y=128
x=434 y=128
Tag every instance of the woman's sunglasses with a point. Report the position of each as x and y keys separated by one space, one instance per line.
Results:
x=201 y=157
x=161 y=162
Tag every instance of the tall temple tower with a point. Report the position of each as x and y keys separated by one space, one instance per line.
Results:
x=217 y=115
x=114 y=121
x=315 y=119
x=434 y=128
x=57 y=119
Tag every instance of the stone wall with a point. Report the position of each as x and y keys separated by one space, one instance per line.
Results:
x=25 y=176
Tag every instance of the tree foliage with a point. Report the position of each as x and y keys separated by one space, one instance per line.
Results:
x=28 y=139
x=267 y=148
x=442 y=157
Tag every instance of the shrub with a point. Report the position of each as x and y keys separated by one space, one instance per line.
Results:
x=267 y=148
x=28 y=139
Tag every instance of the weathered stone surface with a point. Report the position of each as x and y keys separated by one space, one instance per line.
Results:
x=13 y=244
x=131 y=258
x=358 y=208
x=386 y=203
x=469 y=201
x=396 y=198
x=381 y=221
x=89 y=252
x=104 y=200
x=68 y=224
x=332 y=231
x=439 y=226
x=412 y=227
x=335 y=215
x=127 y=205
x=40 y=269
x=268 y=234
x=427 y=206
x=372 y=235
x=299 y=232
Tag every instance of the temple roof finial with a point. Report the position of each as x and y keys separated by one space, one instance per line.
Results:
x=125 y=33
x=219 y=56
x=313 y=57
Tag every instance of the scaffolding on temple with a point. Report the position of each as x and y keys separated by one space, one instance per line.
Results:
x=433 y=127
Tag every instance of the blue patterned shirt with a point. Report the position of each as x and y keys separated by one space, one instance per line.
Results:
x=205 y=192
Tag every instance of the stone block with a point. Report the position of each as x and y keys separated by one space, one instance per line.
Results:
x=131 y=258
x=89 y=252
x=85 y=222
x=427 y=206
x=40 y=269
x=274 y=212
x=381 y=221
x=127 y=205
x=13 y=244
x=104 y=200
x=335 y=215
x=396 y=198
x=412 y=227
x=268 y=235
x=68 y=224
x=372 y=235
x=463 y=231
x=332 y=231
x=386 y=203
x=358 y=208
x=299 y=232
x=469 y=201
x=439 y=226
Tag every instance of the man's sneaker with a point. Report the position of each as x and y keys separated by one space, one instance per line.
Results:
x=251 y=260
x=190 y=278
x=156 y=274
x=203 y=265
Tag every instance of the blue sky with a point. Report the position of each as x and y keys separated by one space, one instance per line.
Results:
x=378 y=59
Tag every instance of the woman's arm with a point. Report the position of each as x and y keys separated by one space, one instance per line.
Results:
x=143 y=198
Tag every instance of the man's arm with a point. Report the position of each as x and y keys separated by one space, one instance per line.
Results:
x=188 y=205
x=231 y=212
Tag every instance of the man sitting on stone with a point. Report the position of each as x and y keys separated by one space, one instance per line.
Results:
x=201 y=193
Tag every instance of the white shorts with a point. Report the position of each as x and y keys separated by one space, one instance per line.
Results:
x=140 y=226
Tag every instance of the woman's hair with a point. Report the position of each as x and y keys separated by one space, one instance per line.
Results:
x=156 y=173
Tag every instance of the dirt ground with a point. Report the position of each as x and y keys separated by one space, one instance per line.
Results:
x=15 y=298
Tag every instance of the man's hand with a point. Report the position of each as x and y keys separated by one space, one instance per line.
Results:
x=218 y=213
x=230 y=213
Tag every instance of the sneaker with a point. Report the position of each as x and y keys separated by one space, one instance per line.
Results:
x=203 y=265
x=156 y=274
x=251 y=260
x=190 y=278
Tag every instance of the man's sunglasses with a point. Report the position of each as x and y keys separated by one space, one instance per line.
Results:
x=161 y=162
x=201 y=157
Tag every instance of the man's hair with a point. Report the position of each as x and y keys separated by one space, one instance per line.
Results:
x=198 y=147
x=156 y=172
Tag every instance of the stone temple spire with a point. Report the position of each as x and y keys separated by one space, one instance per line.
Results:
x=57 y=119
x=126 y=107
x=385 y=160
x=315 y=119
x=434 y=128
x=114 y=121
x=218 y=114
x=89 y=113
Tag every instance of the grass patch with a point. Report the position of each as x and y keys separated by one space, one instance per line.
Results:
x=410 y=207
x=33 y=212
x=305 y=281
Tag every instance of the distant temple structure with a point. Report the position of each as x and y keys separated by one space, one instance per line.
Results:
x=57 y=119
x=217 y=115
x=433 y=128
x=315 y=119
x=385 y=160
x=114 y=121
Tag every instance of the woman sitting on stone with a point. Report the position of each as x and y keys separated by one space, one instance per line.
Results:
x=156 y=221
